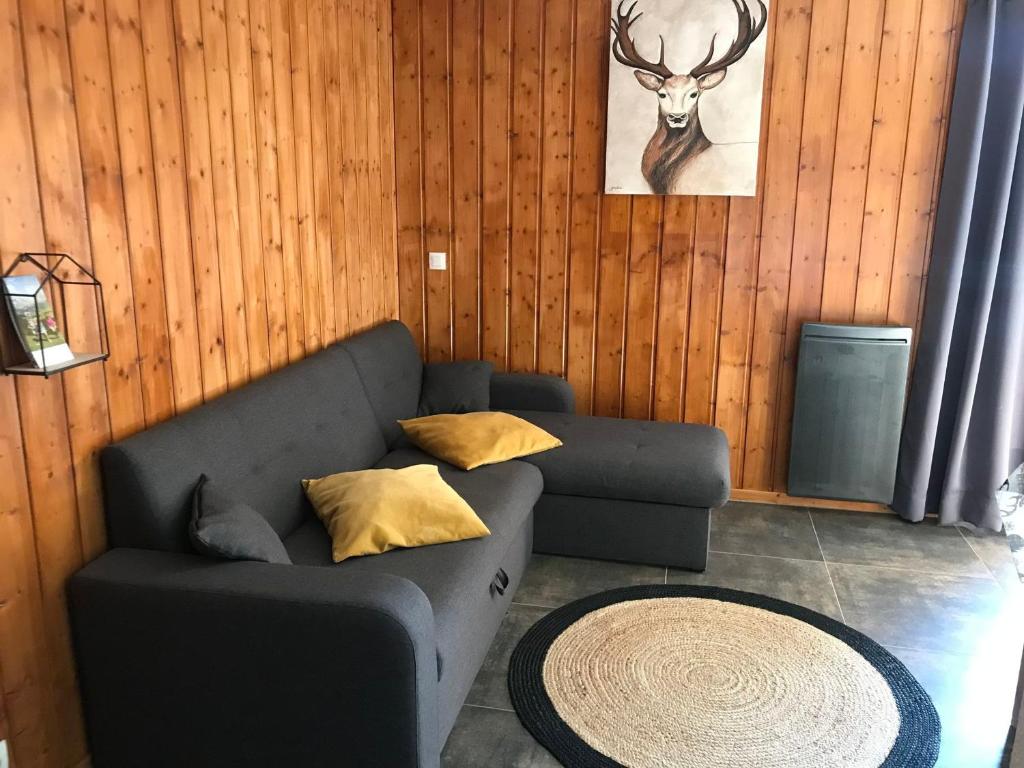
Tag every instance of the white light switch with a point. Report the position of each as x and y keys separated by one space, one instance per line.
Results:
x=438 y=260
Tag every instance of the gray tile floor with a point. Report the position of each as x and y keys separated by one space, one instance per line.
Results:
x=946 y=603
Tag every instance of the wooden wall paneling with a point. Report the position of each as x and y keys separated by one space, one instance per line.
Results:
x=374 y=163
x=43 y=426
x=333 y=72
x=309 y=263
x=408 y=168
x=781 y=172
x=527 y=137
x=354 y=196
x=140 y=207
x=922 y=161
x=674 y=280
x=642 y=306
x=556 y=183
x=739 y=290
x=243 y=109
x=319 y=79
x=280 y=41
x=589 y=90
x=736 y=278
x=104 y=201
x=495 y=96
x=364 y=192
x=385 y=95
x=62 y=198
x=202 y=214
x=269 y=181
x=145 y=142
x=27 y=688
x=214 y=38
x=612 y=289
x=705 y=311
x=166 y=129
x=885 y=169
x=23 y=691
x=853 y=149
x=814 y=185
x=437 y=143
x=466 y=177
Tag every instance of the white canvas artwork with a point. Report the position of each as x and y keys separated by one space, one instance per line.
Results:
x=684 y=96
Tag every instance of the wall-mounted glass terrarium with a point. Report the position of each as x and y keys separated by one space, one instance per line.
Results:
x=53 y=316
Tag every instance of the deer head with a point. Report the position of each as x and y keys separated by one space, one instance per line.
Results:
x=678 y=95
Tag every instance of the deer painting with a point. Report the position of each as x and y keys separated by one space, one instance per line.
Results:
x=680 y=158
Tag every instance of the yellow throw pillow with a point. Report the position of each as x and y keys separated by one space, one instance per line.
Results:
x=471 y=440
x=375 y=510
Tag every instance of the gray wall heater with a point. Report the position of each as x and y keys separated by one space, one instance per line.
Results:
x=850 y=386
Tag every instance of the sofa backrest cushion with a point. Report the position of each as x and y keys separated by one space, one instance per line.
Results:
x=391 y=370
x=307 y=420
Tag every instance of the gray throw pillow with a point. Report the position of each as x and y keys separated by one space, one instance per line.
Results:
x=456 y=388
x=229 y=529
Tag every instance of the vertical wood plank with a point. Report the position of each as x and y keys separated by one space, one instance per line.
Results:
x=408 y=168
x=269 y=181
x=642 y=307
x=787 y=94
x=527 y=98
x=385 y=90
x=161 y=63
x=466 y=171
x=336 y=165
x=321 y=154
x=557 y=138
x=141 y=209
x=705 y=309
x=674 y=306
x=225 y=190
x=810 y=231
x=853 y=149
x=926 y=127
x=612 y=278
x=308 y=260
x=104 y=207
x=739 y=290
x=243 y=111
x=280 y=41
x=590 y=87
x=436 y=181
x=494 y=148
x=202 y=223
x=885 y=167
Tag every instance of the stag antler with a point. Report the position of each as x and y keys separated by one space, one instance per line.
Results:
x=746 y=33
x=625 y=49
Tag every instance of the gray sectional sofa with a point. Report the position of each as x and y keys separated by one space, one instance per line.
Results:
x=186 y=660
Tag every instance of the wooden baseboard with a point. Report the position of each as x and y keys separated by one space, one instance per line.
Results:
x=777 y=497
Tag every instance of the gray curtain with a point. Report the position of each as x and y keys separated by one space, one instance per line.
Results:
x=964 y=430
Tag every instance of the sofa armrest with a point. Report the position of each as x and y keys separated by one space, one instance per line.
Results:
x=531 y=392
x=185 y=660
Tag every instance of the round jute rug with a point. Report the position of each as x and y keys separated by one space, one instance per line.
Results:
x=700 y=677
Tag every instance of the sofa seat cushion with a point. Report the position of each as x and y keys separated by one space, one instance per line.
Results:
x=455 y=577
x=632 y=460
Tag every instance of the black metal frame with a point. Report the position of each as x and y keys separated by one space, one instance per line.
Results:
x=51 y=277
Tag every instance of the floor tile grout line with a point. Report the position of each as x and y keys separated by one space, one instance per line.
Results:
x=980 y=558
x=839 y=604
x=493 y=709
x=771 y=557
x=535 y=605
x=983 y=576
